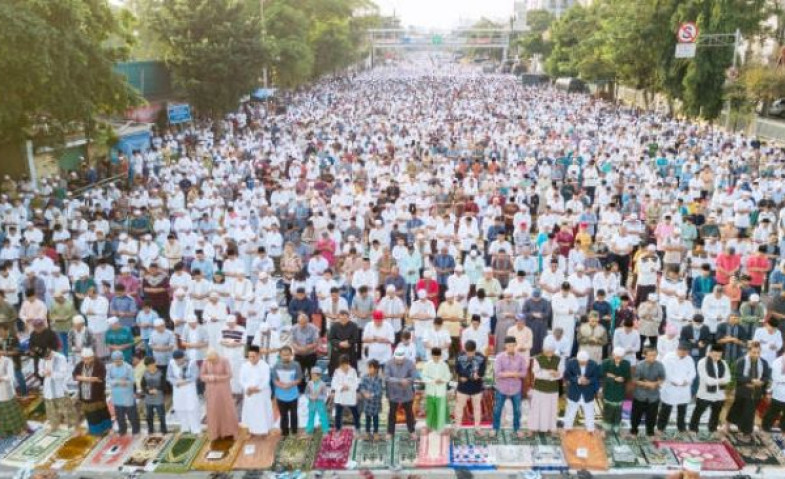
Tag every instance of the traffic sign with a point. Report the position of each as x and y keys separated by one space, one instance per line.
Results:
x=687 y=33
x=686 y=50
x=179 y=113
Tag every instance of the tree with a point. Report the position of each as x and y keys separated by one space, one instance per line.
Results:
x=533 y=42
x=762 y=84
x=56 y=59
x=214 y=50
x=574 y=28
x=287 y=29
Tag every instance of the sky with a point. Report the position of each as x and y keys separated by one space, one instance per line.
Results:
x=444 y=14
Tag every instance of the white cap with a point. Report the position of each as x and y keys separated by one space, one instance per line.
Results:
x=422 y=294
x=263 y=275
x=231 y=318
x=458 y=268
x=449 y=294
x=88 y=353
x=390 y=288
x=159 y=322
x=78 y=319
x=112 y=320
x=179 y=292
x=754 y=298
x=619 y=351
x=191 y=319
x=582 y=355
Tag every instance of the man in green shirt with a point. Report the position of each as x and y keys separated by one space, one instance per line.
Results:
x=120 y=338
x=615 y=375
x=7 y=313
x=60 y=315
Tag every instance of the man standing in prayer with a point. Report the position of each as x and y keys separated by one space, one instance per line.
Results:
x=182 y=373
x=344 y=339
x=752 y=377
x=399 y=375
x=59 y=408
x=436 y=374
x=547 y=370
x=713 y=376
x=120 y=380
x=470 y=369
x=257 y=412
x=13 y=420
x=583 y=381
x=615 y=376
x=676 y=390
x=287 y=375
x=648 y=377
x=90 y=374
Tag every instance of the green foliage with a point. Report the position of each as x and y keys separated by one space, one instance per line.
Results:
x=533 y=42
x=56 y=58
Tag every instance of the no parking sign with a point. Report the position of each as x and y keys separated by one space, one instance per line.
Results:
x=687 y=33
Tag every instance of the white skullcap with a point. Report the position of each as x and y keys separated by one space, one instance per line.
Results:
x=449 y=294
x=78 y=319
x=231 y=318
x=652 y=296
x=112 y=320
x=619 y=351
x=263 y=275
x=549 y=344
x=390 y=288
x=583 y=355
x=179 y=292
x=159 y=322
x=191 y=319
x=754 y=298
x=422 y=294
x=459 y=268
x=88 y=353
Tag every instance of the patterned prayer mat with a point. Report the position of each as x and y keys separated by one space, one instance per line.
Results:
x=716 y=456
x=110 y=453
x=471 y=457
x=469 y=437
x=297 y=453
x=433 y=450
x=512 y=457
x=758 y=450
x=180 y=454
x=71 y=454
x=218 y=455
x=7 y=444
x=549 y=458
x=37 y=448
x=335 y=450
x=369 y=454
x=509 y=438
x=624 y=453
x=404 y=450
x=145 y=453
x=258 y=452
x=584 y=450
x=468 y=411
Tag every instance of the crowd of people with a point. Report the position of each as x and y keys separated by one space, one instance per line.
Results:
x=429 y=231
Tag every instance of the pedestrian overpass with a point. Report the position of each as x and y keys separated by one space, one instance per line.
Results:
x=383 y=39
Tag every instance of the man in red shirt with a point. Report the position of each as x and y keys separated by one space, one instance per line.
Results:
x=758 y=267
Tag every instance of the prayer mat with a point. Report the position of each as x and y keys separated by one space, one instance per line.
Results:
x=509 y=438
x=433 y=450
x=716 y=456
x=656 y=457
x=469 y=437
x=71 y=454
x=110 y=453
x=623 y=454
x=468 y=412
x=471 y=457
x=758 y=450
x=258 y=452
x=512 y=457
x=180 y=454
x=335 y=450
x=404 y=450
x=37 y=448
x=33 y=408
x=7 y=444
x=297 y=453
x=549 y=458
x=370 y=454
x=218 y=455
x=145 y=454
x=584 y=450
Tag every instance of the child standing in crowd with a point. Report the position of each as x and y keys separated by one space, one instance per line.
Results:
x=153 y=382
x=317 y=393
x=371 y=389
x=344 y=385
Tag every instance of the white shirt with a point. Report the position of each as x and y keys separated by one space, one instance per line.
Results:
x=348 y=379
x=381 y=352
x=769 y=343
x=679 y=374
x=479 y=336
x=778 y=380
x=715 y=310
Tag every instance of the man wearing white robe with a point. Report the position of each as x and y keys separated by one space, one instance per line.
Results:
x=182 y=374
x=214 y=314
x=677 y=388
x=268 y=340
x=95 y=309
x=257 y=413
x=233 y=349
x=565 y=307
x=378 y=338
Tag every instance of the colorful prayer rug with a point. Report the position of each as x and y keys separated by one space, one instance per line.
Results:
x=370 y=454
x=335 y=450
x=549 y=458
x=758 y=450
x=584 y=450
x=510 y=438
x=433 y=450
x=715 y=456
x=37 y=448
x=110 y=453
x=70 y=455
x=404 y=450
x=146 y=452
x=512 y=457
x=258 y=452
x=623 y=454
x=297 y=453
x=469 y=437
x=218 y=455
x=180 y=454
x=471 y=457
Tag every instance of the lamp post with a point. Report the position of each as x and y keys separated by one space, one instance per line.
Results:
x=264 y=36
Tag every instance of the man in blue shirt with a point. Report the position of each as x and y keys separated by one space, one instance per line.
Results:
x=123 y=306
x=120 y=380
x=286 y=376
x=203 y=264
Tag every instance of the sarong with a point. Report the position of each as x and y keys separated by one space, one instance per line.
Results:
x=436 y=412
x=12 y=420
x=98 y=419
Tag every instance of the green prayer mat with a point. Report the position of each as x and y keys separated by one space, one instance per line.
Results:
x=509 y=438
x=404 y=450
x=757 y=450
x=371 y=454
x=297 y=453
x=37 y=448
x=469 y=437
x=623 y=454
x=180 y=454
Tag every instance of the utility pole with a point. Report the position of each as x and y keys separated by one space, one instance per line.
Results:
x=264 y=37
